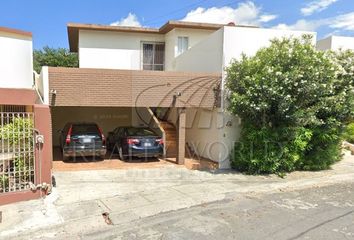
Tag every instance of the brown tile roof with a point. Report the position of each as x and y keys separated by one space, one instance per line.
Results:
x=15 y=31
x=73 y=29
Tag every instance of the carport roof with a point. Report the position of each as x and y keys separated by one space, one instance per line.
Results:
x=132 y=88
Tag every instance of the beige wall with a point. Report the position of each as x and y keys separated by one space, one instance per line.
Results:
x=206 y=56
x=209 y=136
x=106 y=117
x=171 y=39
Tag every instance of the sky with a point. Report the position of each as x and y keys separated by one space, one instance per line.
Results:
x=47 y=19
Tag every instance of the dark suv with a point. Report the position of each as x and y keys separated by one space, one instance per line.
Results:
x=82 y=139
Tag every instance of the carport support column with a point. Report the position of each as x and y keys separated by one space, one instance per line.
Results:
x=181 y=135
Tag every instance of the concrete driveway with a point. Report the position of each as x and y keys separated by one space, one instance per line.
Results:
x=76 y=205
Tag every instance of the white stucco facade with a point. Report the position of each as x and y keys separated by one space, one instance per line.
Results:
x=16 y=62
x=113 y=50
x=171 y=38
x=248 y=40
x=336 y=43
x=122 y=50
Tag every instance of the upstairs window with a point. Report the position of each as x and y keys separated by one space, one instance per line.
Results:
x=153 y=56
x=182 y=45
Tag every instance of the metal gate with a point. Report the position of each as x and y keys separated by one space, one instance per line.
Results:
x=17 y=151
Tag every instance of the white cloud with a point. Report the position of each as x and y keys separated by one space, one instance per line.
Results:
x=344 y=22
x=267 y=18
x=246 y=13
x=131 y=20
x=303 y=25
x=338 y=23
x=316 y=6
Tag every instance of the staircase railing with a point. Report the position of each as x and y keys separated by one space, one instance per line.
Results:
x=155 y=124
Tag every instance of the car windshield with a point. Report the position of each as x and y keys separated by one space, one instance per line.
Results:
x=140 y=132
x=84 y=129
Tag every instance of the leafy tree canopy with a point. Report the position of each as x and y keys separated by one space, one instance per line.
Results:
x=54 y=57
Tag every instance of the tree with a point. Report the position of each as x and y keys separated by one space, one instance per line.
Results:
x=293 y=101
x=60 y=57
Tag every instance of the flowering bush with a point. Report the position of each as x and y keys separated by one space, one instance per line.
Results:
x=292 y=100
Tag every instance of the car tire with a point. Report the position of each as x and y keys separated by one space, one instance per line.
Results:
x=121 y=156
x=65 y=158
x=102 y=157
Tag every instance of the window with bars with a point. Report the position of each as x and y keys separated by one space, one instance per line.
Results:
x=153 y=56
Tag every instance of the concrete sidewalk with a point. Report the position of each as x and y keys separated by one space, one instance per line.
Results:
x=77 y=203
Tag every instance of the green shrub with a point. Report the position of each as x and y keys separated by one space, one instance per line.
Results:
x=18 y=130
x=349 y=133
x=323 y=150
x=293 y=101
x=21 y=164
x=270 y=150
x=4 y=182
x=18 y=134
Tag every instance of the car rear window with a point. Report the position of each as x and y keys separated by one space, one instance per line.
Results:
x=140 y=132
x=82 y=129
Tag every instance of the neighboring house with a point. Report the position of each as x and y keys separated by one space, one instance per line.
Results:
x=22 y=163
x=113 y=87
x=336 y=43
x=16 y=63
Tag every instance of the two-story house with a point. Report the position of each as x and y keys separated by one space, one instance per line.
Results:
x=171 y=76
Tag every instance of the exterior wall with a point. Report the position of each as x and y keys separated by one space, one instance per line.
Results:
x=42 y=85
x=11 y=96
x=335 y=43
x=206 y=56
x=171 y=39
x=202 y=133
x=170 y=46
x=127 y=88
x=113 y=50
x=16 y=64
x=324 y=44
x=247 y=40
x=211 y=133
x=342 y=43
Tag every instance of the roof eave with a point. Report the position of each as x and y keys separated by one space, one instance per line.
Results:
x=16 y=32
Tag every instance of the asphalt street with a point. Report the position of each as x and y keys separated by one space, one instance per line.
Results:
x=313 y=213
